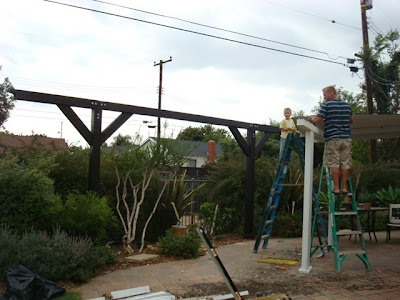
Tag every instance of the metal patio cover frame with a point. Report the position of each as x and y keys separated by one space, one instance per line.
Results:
x=95 y=137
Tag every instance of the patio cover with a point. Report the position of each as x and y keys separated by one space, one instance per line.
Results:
x=364 y=127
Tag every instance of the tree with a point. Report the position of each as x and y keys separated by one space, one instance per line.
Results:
x=135 y=169
x=357 y=103
x=384 y=72
x=124 y=140
x=6 y=100
x=203 y=134
x=384 y=57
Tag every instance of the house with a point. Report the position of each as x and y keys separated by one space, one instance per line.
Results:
x=199 y=153
x=19 y=141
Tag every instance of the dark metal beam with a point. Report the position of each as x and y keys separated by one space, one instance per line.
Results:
x=87 y=103
x=262 y=141
x=113 y=127
x=77 y=122
x=250 y=186
x=241 y=141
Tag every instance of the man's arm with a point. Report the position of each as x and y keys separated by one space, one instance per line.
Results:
x=314 y=119
x=351 y=119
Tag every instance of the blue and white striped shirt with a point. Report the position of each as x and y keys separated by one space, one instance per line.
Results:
x=336 y=115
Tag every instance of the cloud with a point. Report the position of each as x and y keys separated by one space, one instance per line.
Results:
x=57 y=49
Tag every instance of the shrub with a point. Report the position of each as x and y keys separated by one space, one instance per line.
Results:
x=87 y=214
x=27 y=197
x=388 y=196
x=54 y=257
x=376 y=177
x=223 y=221
x=186 y=246
x=287 y=225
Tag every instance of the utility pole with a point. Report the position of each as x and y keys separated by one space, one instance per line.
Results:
x=365 y=5
x=159 y=94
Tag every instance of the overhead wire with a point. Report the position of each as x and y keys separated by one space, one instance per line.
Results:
x=195 y=32
x=316 y=16
x=214 y=27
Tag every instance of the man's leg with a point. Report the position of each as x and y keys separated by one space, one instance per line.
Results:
x=335 y=177
x=344 y=174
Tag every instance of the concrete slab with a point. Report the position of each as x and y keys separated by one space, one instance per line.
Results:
x=141 y=257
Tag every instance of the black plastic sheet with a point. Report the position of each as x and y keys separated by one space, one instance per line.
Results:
x=22 y=284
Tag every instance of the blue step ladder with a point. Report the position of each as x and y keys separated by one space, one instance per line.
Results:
x=293 y=143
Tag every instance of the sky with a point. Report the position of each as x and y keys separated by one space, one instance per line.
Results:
x=242 y=60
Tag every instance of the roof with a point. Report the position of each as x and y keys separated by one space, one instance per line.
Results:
x=365 y=127
x=195 y=148
x=19 y=142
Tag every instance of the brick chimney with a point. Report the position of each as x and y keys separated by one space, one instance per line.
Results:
x=211 y=158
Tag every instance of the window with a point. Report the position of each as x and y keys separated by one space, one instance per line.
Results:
x=192 y=163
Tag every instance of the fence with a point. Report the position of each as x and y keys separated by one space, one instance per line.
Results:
x=191 y=213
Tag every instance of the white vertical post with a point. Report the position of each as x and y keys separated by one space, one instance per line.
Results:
x=307 y=203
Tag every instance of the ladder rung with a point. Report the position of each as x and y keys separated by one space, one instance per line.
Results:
x=291 y=184
x=263 y=237
x=269 y=222
x=345 y=213
x=321 y=246
x=273 y=207
x=349 y=252
x=347 y=232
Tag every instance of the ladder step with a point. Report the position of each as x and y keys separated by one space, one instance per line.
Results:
x=345 y=213
x=350 y=252
x=265 y=236
x=269 y=222
x=321 y=246
x=291 y=184
x=347 y=232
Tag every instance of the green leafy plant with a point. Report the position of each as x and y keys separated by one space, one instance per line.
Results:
x=56 y=256
x=388 y=196
x=223 y=218
x=186 y=245
x=27 y=196
x=87 y=214
x=179 y=195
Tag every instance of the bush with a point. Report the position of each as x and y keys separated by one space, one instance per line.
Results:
x=376 y=177
x=186 y=246
x=27 y=196
x=54 y=257
x=223 y=221
x=388 y=196
x=87 y=214
x=287 y=225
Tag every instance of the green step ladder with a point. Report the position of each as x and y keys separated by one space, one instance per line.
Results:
x=338 y=212
x=293 y=143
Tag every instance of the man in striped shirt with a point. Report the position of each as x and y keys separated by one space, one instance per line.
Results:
x=337 y=116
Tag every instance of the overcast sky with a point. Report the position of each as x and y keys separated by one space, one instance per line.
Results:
x=281 y=54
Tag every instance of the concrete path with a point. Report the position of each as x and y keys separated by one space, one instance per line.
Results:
x=200 y=277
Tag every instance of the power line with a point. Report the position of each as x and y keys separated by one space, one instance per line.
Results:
x=81 y=87
x=214 y=27
x=307 y=13
x=196 y=32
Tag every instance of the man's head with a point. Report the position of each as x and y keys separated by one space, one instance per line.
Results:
x=287 y=112
x=329 y=93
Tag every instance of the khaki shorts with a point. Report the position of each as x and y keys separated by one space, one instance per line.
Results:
x=337 y=154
